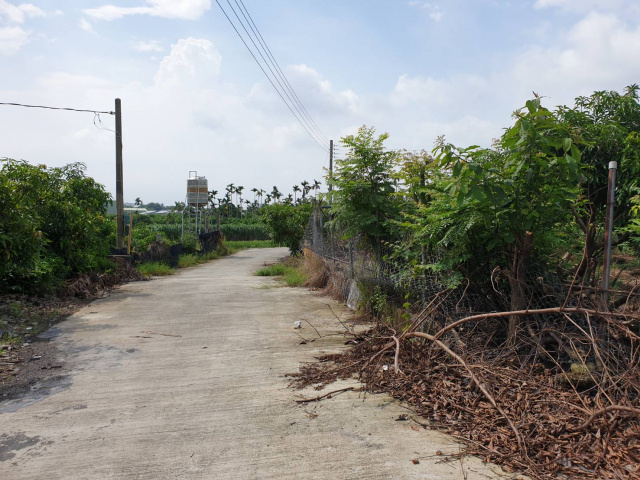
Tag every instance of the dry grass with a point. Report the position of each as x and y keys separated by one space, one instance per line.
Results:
x=315 y=269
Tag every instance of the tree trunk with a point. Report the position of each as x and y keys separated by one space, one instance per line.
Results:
x=518 y=284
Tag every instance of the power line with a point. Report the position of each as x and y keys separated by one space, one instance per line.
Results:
x=276 y=65
x=266 y=62
x=57 y=108
x=269 y=78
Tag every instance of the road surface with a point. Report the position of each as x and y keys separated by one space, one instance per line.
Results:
x=184 y=377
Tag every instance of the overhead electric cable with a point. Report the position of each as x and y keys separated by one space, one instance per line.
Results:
x=276 y=65
x=269 y=78
x=56 y=108
x=275 y=76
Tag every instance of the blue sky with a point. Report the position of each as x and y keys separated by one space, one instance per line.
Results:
x=194 y=99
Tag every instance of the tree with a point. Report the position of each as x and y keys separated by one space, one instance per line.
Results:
x=305 y=189
x=138 y=202
x=296 y=189
x=363 y=197
x=517 y=192
x=52 y=224
x=608 y=124
x=287 y=223
x=316 y=187
x=275 y=194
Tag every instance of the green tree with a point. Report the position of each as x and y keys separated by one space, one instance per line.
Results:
x=608 y=124
x=517 y=192
x=52 y=224
x=363 y=201
x=287 y=223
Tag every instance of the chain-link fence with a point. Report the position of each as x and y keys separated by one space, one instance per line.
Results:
x=545 y=285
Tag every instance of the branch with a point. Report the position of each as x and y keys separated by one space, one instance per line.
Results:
x=480 y=385
x=602 y=411
x=315 y=399
x=579 y=220
x=539 y=311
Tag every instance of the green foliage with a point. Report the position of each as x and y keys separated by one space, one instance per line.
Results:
x=522 y=187
x=292 y=274
x=363 y=202
x=251 y=244
x=245 y=232
x=608 y=125
x=52 y=223
x=157 y=269
x=185 y=261
x=272 y=270
x=287 y=223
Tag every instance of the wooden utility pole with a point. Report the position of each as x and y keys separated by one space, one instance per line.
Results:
x=119 y=175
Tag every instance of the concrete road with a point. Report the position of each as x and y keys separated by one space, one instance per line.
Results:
x=184 y=377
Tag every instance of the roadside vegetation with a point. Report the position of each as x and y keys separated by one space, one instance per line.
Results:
x=290 y=272
x=483 y=269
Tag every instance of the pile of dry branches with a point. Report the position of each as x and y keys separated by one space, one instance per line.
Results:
x=562 y=403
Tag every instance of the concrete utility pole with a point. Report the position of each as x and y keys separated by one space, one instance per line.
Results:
x=330 y=163
x=119 y=175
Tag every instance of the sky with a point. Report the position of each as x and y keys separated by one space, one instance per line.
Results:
x=194 y=99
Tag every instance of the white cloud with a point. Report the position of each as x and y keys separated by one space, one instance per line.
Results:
x=435 y=12
x=86 y=26
x=187 y=56
x=18 y=13
x=580 y=5
x=12 y=39
x=148 y=46
x=181 y=9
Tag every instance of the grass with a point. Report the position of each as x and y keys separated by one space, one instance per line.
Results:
x=290 y=272
x=158 y=269
x=240 y=245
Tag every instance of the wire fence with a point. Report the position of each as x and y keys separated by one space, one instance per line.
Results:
x=545 y=285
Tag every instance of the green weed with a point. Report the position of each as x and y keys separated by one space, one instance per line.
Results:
x=156 y=269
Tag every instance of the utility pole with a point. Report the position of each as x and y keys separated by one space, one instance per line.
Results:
x=119 y=175
x=330 y=165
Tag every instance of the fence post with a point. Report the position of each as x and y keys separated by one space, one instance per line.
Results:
x=351 y=259
x=608 y=232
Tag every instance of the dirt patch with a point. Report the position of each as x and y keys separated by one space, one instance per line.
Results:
x=27 y=360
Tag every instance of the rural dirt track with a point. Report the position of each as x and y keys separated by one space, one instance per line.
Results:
x=184 y=377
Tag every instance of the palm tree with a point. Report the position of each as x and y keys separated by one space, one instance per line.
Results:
x=305 y=188
x=268 y=198
x=296 y=189
x=212 y=198
x=316 y=187
x=255 y=192
x=138 y=202
x=275 y=193
x=288 y=199
x=260 y=194
x=239 y=194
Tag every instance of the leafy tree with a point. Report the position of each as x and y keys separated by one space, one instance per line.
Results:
x=363 y=200
x=52 y=224
x=305 y=189
x=287 y=223
x=608 y=124
x=517 y=192
x=138 y=202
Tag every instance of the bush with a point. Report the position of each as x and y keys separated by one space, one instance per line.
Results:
x=52 y=224
x=287 y=223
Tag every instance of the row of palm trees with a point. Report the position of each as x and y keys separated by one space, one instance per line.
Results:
x=262 y=197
